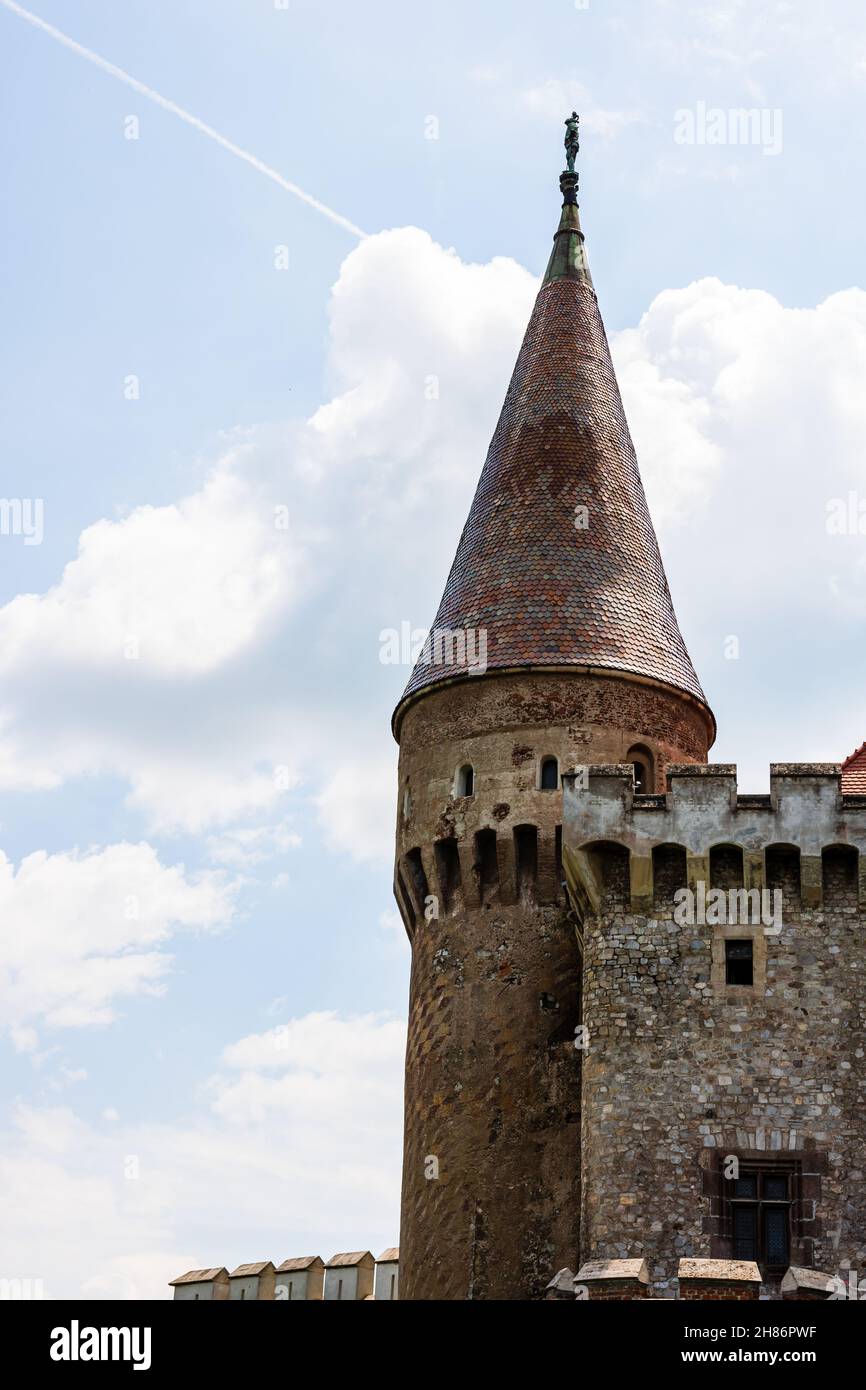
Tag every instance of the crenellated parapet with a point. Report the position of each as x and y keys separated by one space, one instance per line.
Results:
x=805 y=813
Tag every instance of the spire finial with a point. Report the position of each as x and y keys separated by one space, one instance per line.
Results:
x=568 y=179
x=572 y=140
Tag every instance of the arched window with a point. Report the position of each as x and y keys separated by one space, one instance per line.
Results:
x=549 y=775
x=641 y=760
x=464 y=783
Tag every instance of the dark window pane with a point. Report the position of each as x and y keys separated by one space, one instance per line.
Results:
x=776 y=1235
x=745 y=1233
x=775 y=1188
x=746 y=1186
x=738 y=962
x=549 y=775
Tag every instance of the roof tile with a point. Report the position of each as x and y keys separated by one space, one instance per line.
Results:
x=547 y=592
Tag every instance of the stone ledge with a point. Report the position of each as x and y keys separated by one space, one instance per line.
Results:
x=720 y=1271
x=613 y=1269
x=799 y=1280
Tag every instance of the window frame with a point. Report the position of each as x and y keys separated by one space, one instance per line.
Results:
x=762 y=1170
x=731 y=959
x=545 y=762
x=460 y=780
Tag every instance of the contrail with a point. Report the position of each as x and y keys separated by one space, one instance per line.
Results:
x=184 y=116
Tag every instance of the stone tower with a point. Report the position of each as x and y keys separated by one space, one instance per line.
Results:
x=555 y=645
x=724 y=993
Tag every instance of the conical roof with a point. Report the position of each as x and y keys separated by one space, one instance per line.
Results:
x=558 y=562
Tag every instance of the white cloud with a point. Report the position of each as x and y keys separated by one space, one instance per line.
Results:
x=178 y=590
x=259 y=648
x=245 y=846
x=554 y=97
x=357 y=807
x=300 y=1148
x=749 y=419
x=82 y=931
x=732 y=398
x=726 y=389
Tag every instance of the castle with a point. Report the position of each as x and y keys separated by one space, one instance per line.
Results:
x=636 y=1020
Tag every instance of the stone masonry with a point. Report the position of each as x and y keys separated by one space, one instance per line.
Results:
x=593 y=1082
x=683 y=1071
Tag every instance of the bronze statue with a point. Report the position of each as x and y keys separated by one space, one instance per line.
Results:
x=572 y=139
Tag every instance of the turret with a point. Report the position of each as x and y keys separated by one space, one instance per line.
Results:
x=555 y=644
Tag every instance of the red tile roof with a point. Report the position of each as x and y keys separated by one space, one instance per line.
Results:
x=854 y=773
x=547 y=593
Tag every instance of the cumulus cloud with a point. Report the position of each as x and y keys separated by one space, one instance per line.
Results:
x=82 y=931
x=199 y=651
x=258 y=693
x=749 y=421
x=356 y=808
x=298 y=1150
x=179 y=589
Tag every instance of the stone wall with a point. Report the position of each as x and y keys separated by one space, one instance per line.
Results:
x=684 y=1071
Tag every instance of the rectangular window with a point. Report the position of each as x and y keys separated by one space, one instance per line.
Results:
x=738 y=963
x=760 y=1203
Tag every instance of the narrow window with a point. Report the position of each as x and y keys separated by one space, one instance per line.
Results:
x=415 y=868
x=465 y=781
x=738 y=963
x=447 y=858
x=557 y=850
x=641 y=760
x=243 y=1293
x=526 y=859
x=840 y=876
x=549 y=775
x=339 y=1288
x=669 y=873
x=487 y=866
x=726 y=866
x=393 y=1282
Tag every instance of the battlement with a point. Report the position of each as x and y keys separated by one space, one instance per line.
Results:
x=805 y=815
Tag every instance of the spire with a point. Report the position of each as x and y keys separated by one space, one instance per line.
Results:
x=558 y=563
x=568 y=257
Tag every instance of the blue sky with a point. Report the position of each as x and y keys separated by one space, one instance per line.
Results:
x=204 y=979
